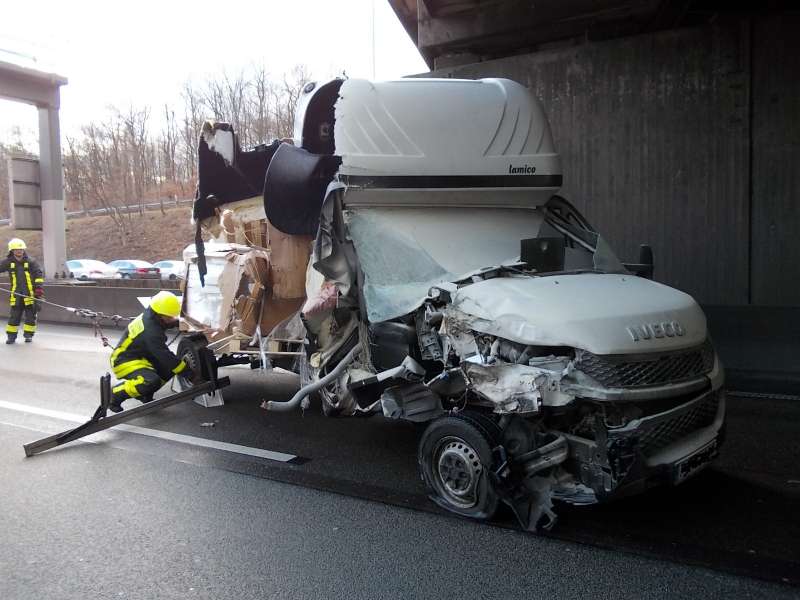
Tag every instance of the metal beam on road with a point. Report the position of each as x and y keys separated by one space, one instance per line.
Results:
x=100 y=423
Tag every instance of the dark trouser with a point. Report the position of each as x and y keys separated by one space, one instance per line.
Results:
x=141 y=384
x=15 y=316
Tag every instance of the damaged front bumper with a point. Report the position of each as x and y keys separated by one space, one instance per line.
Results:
x=661 y=449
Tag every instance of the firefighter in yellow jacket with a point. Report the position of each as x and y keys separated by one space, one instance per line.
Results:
x=26 y=287
x=142 y=359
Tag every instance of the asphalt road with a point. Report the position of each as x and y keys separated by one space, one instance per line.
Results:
x=140 y=516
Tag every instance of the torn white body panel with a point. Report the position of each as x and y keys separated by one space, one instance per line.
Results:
x=220 y=141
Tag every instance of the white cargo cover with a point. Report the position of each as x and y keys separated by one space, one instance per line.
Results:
x=445 y=127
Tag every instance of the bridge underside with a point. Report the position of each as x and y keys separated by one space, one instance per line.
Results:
x=449 y=32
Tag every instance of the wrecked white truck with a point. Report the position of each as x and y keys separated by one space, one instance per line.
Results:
x=447 y=283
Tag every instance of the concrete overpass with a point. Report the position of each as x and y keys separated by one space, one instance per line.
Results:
x=42 y=90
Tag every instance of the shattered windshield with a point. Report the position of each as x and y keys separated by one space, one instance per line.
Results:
x=405 y=251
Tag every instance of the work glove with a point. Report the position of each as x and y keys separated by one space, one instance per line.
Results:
x=38 y=292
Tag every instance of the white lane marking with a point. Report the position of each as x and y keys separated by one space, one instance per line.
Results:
x=164 y=435
x=34 y=429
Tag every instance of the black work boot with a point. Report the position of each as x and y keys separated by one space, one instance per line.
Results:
x=12 y=338
x=28 y=339
x=115 y=405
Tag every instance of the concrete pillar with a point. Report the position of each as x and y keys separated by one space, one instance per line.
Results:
x=54 y=243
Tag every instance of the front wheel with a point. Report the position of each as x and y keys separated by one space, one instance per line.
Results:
x=455 y=456
x=188 y=351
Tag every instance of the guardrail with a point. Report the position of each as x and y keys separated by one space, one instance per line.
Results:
x=93 y=212
x=96 y=212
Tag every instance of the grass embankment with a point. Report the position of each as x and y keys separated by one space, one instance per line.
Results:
x=151 y=237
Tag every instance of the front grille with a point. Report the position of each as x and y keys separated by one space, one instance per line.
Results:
x=666 y=432
x=619 y=371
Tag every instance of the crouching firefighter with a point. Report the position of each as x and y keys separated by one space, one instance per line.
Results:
x=142 y=359
x=26 y=287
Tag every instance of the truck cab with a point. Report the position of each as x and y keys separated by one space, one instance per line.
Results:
x=447 y=282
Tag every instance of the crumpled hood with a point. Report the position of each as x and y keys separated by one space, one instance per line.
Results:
x=591 y=311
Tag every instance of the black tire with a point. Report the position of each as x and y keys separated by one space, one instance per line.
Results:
x=485 y=423
x=126 y=276
x=455 y=457
x=173 y=277
x=188 y=351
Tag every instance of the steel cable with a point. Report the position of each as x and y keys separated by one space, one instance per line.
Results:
x=96 y=317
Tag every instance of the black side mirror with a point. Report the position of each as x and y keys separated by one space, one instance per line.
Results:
x=644 y=268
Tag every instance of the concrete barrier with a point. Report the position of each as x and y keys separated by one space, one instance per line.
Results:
x=111 y=301
x=759 y=346
x=154 y=283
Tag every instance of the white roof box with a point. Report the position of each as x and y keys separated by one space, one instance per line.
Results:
x=438 y=133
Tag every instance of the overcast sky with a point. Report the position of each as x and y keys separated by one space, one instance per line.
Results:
x=142 y=51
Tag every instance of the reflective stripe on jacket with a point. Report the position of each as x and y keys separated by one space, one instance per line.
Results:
x=25 y=275
x=143 y=345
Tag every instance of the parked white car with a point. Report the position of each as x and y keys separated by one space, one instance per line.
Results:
x=86 y=269
x=171 y=269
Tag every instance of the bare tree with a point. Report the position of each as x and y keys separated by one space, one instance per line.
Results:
x=286 y=103
x=134 y=143
x=122 y=160
x=75 y=174
x=192 y=121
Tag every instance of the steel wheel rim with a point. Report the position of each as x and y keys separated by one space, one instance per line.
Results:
x=190 y=359
x=457 y=470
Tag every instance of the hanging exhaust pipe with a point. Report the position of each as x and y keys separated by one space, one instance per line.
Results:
x=313 y=387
